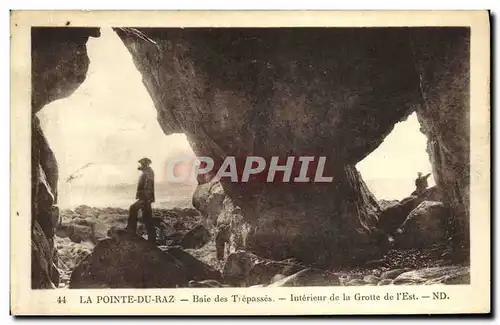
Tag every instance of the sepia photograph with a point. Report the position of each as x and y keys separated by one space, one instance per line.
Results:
x=250 y=157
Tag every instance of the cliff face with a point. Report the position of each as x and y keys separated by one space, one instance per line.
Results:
x=285 y=92
x=443 y=57
x=59 y=66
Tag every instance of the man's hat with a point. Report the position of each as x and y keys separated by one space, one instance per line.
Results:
x=145 y=161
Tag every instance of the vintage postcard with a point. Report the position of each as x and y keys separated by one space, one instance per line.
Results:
x=250 y=163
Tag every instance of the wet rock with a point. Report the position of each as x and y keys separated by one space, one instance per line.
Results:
x=384 y=282
x=425 y=226
x=246 y=269
x=308 y=277
x=196 y=237
x=204 y=284
x=371 y=279
x=391 y=274
x=435 y=275
x=128 y=261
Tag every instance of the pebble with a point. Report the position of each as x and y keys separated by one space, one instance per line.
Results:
x=355 y=282
x=277 y=277
x=393 y=273
x=371 y=279
x=384 y=282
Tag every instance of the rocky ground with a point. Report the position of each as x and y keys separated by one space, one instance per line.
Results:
x=182 y=231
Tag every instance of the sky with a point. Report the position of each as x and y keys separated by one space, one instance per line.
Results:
x=110 y=122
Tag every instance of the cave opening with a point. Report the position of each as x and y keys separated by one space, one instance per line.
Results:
x=391 y=169
x=100 y=132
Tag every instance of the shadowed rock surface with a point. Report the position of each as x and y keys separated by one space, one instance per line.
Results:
x=194 y=269
x=425 y=226
x=246 y=269
x=196 y=237
x=59 y=64
x=129 y=261
x=443 y=62
x=393 y=216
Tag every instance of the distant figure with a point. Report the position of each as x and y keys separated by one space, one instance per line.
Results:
x=421 y=183
x=145 y=196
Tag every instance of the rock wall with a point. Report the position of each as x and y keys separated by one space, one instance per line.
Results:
x=442 y=61
x=59 y=66
x=285 y=92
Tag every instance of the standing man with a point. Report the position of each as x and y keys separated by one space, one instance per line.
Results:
x=145 y=196
x=421 y=183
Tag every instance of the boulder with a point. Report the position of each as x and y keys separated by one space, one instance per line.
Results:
x=128 y=261
x=204 y=284
x=308 y=277
x=174 y=239
x=384 y=204
x=208 y=199
x=196 y=237
x=393 y=216
x=371 y=279
x=425 y=226
x=246 y=269
x=456 y=274
x=85 y=211
x=195 y=269
x=82 y=233
x=391 y=274
x=80 y=230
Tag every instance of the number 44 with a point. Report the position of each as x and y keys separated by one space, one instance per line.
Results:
x=61 y=300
